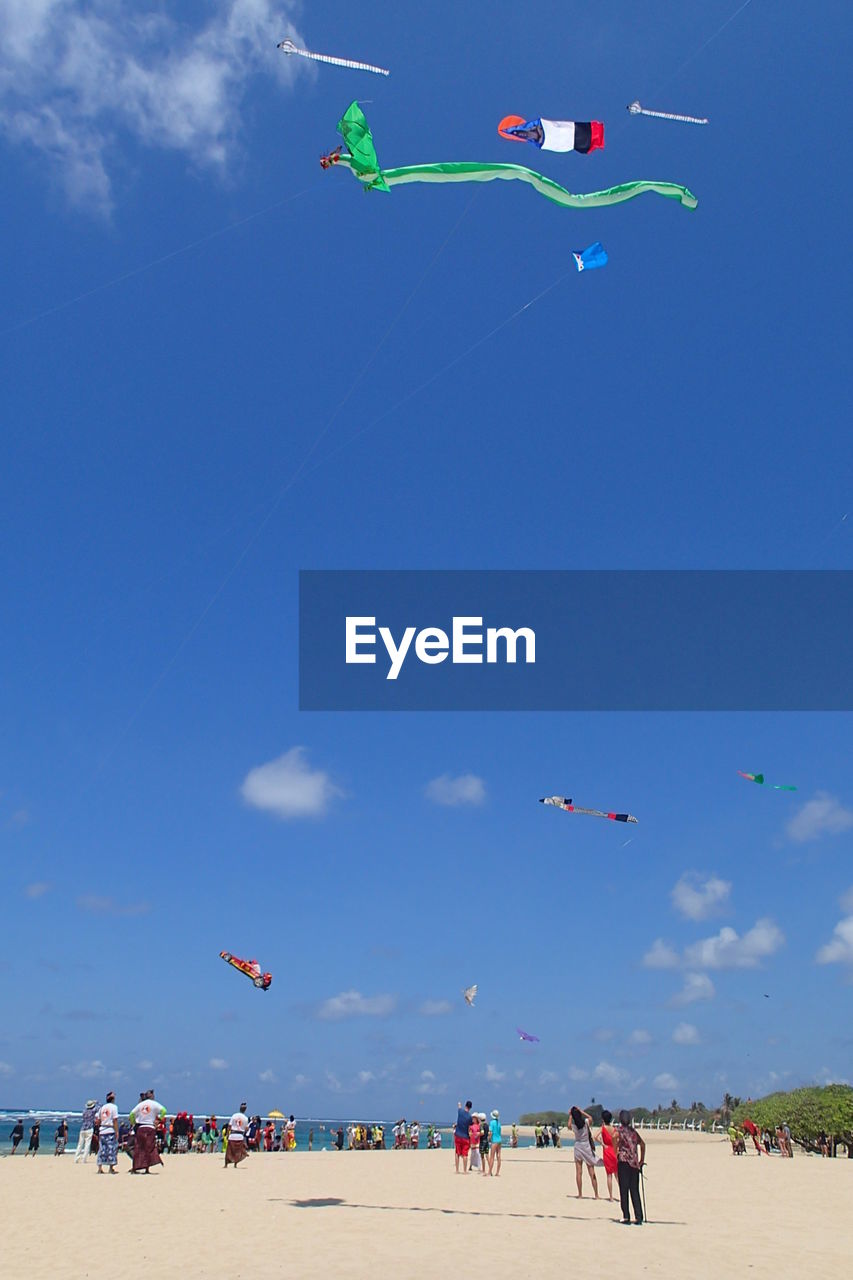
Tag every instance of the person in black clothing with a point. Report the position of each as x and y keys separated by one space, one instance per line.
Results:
x=35 y=1134
x=339 y=1140
x=16 y=1135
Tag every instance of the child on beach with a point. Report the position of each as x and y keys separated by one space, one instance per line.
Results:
x=474 y=1139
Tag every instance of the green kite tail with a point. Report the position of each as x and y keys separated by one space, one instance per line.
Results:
x=364 y=163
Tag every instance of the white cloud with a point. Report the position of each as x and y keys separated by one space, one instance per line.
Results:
x=145 y=1065
x=289 y=787
x=696 y=898
x=6 y=1069
x=612 y=1075
x=697 y=986
x=603 y=1034
x=660 y=956
x=352 y=1004
x=839 y=950
x=452 y=792
x=300 y=1081
x=493 y=1076
x=577 y=1074
x=332 y=1082
x=640 y=1036
x=218 y=1064
x=728 y=950
x=97 y=905
x=822 y=816
x=427 y=1084
x=548 y=1077
x=37 y=889
x=88 y=1070
x=365 y=1077
x=435 y=1008
x=75 y=77
x=665 y=1081
x=267 y=1077
x=685 y=1033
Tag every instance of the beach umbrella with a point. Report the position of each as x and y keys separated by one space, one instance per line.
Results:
x=276 y=1115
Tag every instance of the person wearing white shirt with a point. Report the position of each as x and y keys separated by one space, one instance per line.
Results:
x=108 y=1134
x=145 y=1116
x=238 y=1127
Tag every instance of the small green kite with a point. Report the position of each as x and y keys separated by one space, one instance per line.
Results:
x=363 y=162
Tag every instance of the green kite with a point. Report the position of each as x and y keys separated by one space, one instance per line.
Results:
x=363 y=162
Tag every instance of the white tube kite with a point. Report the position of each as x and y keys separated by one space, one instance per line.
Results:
x=287 y=46
x=637 y=110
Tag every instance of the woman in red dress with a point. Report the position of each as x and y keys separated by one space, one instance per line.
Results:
x=608 y=1148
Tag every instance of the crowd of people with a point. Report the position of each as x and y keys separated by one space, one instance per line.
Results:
x=765 y=1141
x=478 y=1144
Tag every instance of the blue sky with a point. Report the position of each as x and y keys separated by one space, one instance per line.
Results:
x=202 y=337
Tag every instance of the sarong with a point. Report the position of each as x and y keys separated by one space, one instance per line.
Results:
x=145 y=1153
x=235 y=1152
x=107 y=1148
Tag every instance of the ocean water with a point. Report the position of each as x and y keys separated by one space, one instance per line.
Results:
x=323 y=1131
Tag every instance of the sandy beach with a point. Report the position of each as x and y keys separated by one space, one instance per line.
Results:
x=377 y=1213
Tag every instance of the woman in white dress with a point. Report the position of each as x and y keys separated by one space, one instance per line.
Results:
x=581 y=1124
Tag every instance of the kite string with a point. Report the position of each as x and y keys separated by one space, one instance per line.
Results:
x=692 y=57
x=273 y=506
x=156 y=262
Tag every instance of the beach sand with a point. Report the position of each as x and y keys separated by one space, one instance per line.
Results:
x=361 y=1213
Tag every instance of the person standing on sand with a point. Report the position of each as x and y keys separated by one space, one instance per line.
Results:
x=496 y=1137
x=87 y=1128
x=16 y=1135
x=238 y=1127
x=145 y=1115
x=462 y=1135
x=60 y=1138
x=631 y=1156
x=513 y=1136
x=584 y=1149
x=474 y=1140
x=35 y=1136
x=608 y=1148
x=108 y=1134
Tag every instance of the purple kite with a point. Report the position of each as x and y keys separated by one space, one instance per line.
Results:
x=524 y=1035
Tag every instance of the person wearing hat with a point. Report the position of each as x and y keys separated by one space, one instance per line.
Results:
x=497 y=1139
x=87 y=1128
x=238 y=1127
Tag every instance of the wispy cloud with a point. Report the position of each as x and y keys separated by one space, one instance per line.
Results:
x=639 y=1037
x=352 y=1004
x=729 y=950
x=435 y=1008
x=685 y=1033
x=493 y=1076
x=696 y=898
x=289 y=787
x=145 y=1065
x=839 y=949
x=75 y=78
x=37 y=889
x=665 y=1081
x=6 y=1069
x=821 y=816
x=467 y=788
x=218 y=1064
x=548 y=1077
x=106 y=906
x=661 y=956
x=697 y=986
x=267 y=1077
x=87 y=1070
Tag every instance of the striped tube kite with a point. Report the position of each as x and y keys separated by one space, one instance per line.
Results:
x=361 y=159
x=562 y=802
x=287 y=46
x=636 y=110
x=554 y=135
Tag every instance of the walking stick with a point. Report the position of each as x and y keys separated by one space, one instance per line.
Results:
x=643 y=1191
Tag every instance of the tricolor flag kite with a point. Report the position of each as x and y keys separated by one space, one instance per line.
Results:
x=364 y=164
x=589 y=259
x=554 y=135
x=759 y=778
x=563 y=802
